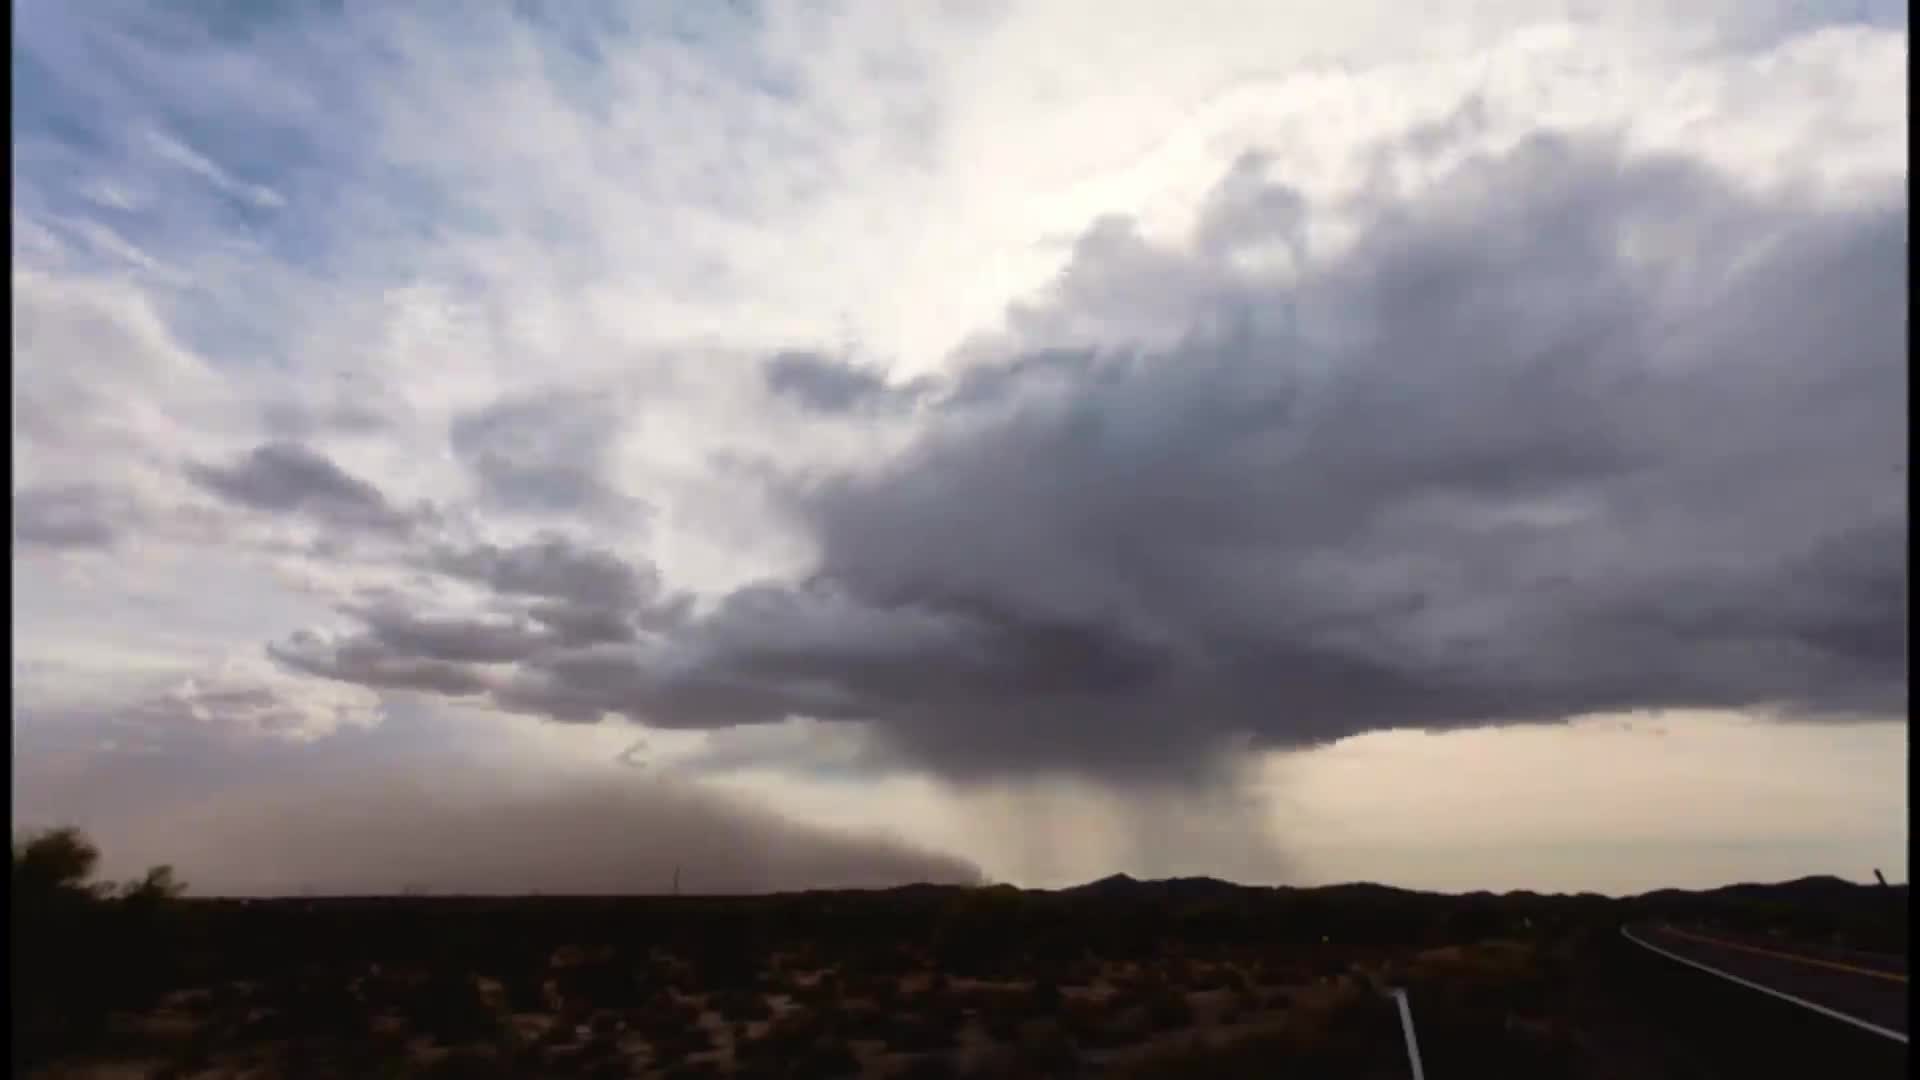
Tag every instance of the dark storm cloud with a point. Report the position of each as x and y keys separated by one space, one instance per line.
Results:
x=288 y=477
x=555 y=568
x=370 y=661
x=828 y=385
x=1567 y=433
x=576 y=625
x=68 y=517
x=546 y=453
x=562 y=597
x=1493 y=465
x=471 y=641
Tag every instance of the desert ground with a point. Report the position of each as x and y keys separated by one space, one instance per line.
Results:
x=1118 y=978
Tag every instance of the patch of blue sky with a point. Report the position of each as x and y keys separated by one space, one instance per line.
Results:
x=1769 y=23
x=122 y=154
x=234 y=134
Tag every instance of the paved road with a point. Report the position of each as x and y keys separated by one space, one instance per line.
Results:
x=1865 y=990
x=1885 y=963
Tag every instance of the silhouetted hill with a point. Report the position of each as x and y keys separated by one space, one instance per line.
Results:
x=1118 y=886
x=1111 y=885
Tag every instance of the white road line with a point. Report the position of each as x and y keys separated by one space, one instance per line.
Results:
x=1406 y=1025
x=1749 y=984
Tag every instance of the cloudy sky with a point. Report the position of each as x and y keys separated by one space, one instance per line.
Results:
x=539 y=446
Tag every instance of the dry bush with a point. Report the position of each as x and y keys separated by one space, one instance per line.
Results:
x=742 y=1005
x=1169 y=1009
x=1350 y=1035
x=929 y=1067
x=1049 y=1053
x=918 y=1033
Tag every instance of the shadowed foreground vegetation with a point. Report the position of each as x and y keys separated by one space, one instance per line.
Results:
x=82 y=948
x=1119 y=978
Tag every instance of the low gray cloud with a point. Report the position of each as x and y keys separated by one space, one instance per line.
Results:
x=1568 y=432
x=546 y=453
x=300 y=419
x=457 y=640
x=69 y=516
x=371 y=661
x=553 y=567
x=577 y=625
x=825 y=384
x=289 y=477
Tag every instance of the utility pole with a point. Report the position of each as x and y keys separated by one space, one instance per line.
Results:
x=676 y=879
x=1878 y=876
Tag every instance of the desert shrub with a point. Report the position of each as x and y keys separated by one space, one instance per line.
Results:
x=864 y=1022
x=662 y=1015
x=818 y=997
x=1092 y=1026
x=787 y=1039
x=605 y=1023
x=610 y=1067
x=885 y=993
x=328 y=1009
x=606 y=984
x=825 y=1059
x=1045 y=998
x=920 y=1034
x=742 y=1005
x=1049 y=1053
x=1169 y=1009
x=677 y=1043
x=1079 y=973
x=858 y=985
x=1001 y=1028
x=470 y=1063
x=80 y=948
x=930 y=1067
x=559 y=1061
x=1001 y=1012
x=725 y=963
x=526 y=992
x=449 y=1008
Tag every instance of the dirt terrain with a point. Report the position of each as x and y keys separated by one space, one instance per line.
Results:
x=1122 y=978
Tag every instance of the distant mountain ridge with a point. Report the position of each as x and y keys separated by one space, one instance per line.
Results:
x=1120 y=884
x=1817 y=886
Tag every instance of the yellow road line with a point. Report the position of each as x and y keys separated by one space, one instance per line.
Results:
x=1888 y=975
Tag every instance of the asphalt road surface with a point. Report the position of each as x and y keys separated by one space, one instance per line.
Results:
x=1866 y=990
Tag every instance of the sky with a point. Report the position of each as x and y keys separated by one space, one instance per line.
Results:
x=555 y=447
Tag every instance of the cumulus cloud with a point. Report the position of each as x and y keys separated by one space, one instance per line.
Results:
x=369 y=661
x=829 y=385
x=1542 y=441
x=288 y=477
x=554 y=567
x=546 y=453
x=68 y=516
x=241 y=701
